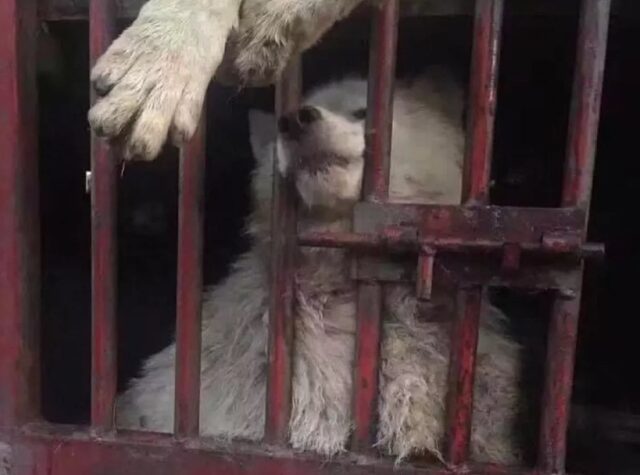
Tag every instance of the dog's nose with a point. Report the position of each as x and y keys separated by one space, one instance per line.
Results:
x=308 y=115
x=294 y=124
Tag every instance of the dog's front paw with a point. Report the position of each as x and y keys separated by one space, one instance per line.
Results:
x=153 y=80
x=259 y=50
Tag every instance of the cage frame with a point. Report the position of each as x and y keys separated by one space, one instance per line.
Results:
x=29 y=445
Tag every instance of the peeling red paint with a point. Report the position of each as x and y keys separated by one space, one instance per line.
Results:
x=103 y=243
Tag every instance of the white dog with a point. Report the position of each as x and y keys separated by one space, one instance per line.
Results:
x=322 y=146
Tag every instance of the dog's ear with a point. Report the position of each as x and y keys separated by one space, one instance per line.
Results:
x=262 y=133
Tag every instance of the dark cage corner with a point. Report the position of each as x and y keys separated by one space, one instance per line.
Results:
x=88 y=247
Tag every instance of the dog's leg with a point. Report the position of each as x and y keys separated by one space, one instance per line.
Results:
x=412 y=390
x=271 y=31
x=154 y=77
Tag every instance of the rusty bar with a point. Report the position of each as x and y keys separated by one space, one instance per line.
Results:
x=368 y=328
x=70 y=451
x=563 y=331
x=511 y=256
x=379 y=123
x=103 y=243
x=283 y=246
x=19 y=225
x=65 y=10
x=464 y=342
x=189 y=286
x=579 y=166
x=482 y=100
x=424 y=279
x=585 y=104
x=378 y=129
x=475 y=191
x=384 y=242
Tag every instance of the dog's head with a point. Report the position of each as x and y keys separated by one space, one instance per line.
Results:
x=321 y=146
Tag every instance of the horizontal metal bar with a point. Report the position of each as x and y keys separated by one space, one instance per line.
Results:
x=55 y=450
x=58 y=10
x=478 y=223
x=382 y=241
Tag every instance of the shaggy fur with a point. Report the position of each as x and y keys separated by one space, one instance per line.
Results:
x=321 y=147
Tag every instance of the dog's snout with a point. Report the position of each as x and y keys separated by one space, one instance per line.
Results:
x=294 y=124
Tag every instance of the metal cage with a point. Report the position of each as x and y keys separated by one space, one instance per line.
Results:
x=527 y=247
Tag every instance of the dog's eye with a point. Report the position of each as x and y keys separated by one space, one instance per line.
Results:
x=359 y=114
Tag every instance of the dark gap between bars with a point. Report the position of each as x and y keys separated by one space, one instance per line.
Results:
x=579 y=165
x=189 y=284
x=382 y=65
x=103 y=243
x=283 y=246
x=475 y=191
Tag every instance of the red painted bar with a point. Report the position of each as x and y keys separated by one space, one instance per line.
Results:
x=189 y=288
x=19 y=214
x=103 y=243
x=464 y=341
x=482 y=100
x=581 y=149
x=47 y=451
x=379 y=124
x=475 y=191
x=367 y=356
x=424 y=281
x=283 y=246
x=563 y=331
x=585 y=105
x=375 y=242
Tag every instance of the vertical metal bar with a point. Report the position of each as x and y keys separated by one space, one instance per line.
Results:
x=365 y=397
x=581 y=149
x=189 y=286
x=482 y=100
x=283 y=246
x=585 y=104
x=379 y=125
x=477 y=170
x=19 y=214
x=563 y=330
x=462 y=362
x=103 y=242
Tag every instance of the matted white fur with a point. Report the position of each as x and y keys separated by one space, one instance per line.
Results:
x=426 y=168
x=5 y=459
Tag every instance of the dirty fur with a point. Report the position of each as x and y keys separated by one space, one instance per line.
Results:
x=426 y=168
